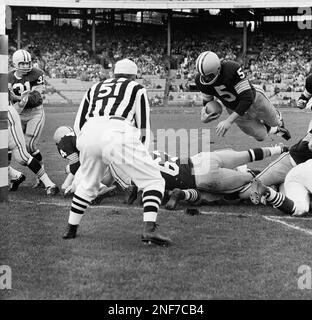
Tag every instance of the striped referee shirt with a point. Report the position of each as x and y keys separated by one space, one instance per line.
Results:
x=120 y=97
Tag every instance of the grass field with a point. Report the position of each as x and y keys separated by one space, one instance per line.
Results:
x=227 y=252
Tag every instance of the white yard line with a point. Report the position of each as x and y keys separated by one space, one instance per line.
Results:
x=208 y=213
x=289 y=225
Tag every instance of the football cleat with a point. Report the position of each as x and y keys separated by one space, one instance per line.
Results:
x=71 y=232
x=175 y=197
x=52 y=190
x=132 y=194
x=257 y=190
x=283 y=132
x=15 y=183
x=151 y=236
x=38 y=184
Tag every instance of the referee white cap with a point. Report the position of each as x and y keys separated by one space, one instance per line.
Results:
x=126 y=66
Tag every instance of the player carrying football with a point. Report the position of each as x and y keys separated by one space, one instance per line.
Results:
x=27 y=78
x=247 y=104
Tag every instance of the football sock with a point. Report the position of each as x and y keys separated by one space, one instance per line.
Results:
x=191 y=195
x=274 y=151
x=34 y=165
x=280 y=202
x=151 y=201
x=256 y=154
x=37 y=155
x=273 y=130
x=77 y=210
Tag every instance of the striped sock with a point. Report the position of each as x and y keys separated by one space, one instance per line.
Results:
x=77 y=210
x=191 y=195
x=280 y=202
x=151 y=201
x=256 y=154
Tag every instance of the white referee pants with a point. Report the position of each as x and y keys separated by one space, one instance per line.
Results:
x=114 y=143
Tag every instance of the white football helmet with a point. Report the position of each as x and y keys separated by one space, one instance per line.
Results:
x=22 y=61
x=208 y=65
x=60 y=132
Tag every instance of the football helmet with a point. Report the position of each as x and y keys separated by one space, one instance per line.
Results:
x=208 y=65
x=22 y=61
x=60 y=132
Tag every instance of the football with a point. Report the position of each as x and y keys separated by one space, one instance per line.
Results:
x=214 y=108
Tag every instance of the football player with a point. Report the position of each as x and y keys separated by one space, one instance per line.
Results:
x=247 y=104
x=17 y=145
x=296 y=198
x=26 y=78
x=275 y=173
x=214 y=173
x=65 y=140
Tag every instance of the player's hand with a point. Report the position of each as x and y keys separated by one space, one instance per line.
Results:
x=223 y=127
x=301 y=103
x=24 y=99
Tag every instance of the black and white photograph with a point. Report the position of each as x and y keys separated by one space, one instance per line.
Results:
x=155 y=152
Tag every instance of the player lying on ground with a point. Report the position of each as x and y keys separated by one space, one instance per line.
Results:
x=246 y=103
x=27 y=78
x=16 y=144
x=65 y=140
x=275 y=173
x=298 y=187
x=210 y=172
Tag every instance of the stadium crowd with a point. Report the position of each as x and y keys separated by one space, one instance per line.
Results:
x=66 y=52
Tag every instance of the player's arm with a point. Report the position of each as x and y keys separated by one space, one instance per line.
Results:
x=19 y=106
x=74 y=163
x=82 y=111
x=206 y=117
x=142 y=116
x=306 y=94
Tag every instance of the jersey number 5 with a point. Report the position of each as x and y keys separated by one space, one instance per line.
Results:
x=224 y=94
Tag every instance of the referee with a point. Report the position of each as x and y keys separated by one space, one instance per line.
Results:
x=113 y=128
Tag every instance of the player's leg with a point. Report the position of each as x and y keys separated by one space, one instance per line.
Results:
x=34 y=127
x=274 y=174
x=89 y=175
x=295 y=202
x=132 y=159
x=231 y=159
x=15 y=177
x=189 y=195
x=252 y=127
x=266 y=112
x=33 y=132
x=17 y=144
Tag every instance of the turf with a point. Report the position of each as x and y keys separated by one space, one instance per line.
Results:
x=228 y=252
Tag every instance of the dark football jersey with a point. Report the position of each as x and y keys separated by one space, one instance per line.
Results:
x=228 y=85
x=177 y=173
x=300 y=152
x=308 y=83
x=27 y=82
x=68 y=150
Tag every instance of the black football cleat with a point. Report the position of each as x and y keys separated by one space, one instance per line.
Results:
x=132 y=194
x=71 y=232
x=52 y=190
x=175 y=197
x=15 y=183
x=284 y=133
x=151 y=236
